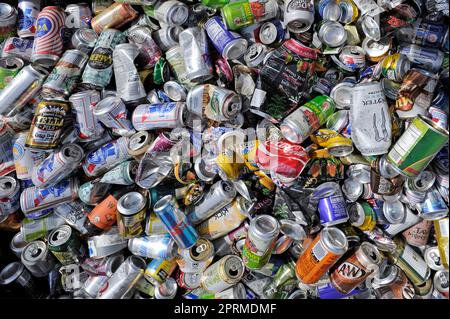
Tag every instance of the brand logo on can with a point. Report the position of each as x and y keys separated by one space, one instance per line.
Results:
x=44 y=26
x=350 y=271
x=25 y=18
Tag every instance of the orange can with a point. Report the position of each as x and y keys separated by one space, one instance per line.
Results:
x=104 y=215
x=115 y=16
x=323 y=252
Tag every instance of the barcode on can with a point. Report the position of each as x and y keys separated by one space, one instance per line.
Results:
x=318 y=251
x=404 y=144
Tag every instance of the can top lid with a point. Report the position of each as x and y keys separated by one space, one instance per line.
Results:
x=233 y=267
x=72 y=152
x=131 y=203
x=356 y=214
x=341 y=94
x=138 y=140
x=394 y=212
x=433 y=258
x=201 y=250
x=268 y=33
x=423 y=182
x=107 y=104
x=11 y=62
x=17 y=242
x=34 y=251
x=352 y=188
x=332 y=34
x=292 y=229
x=368 y=254
x=265 y=226
x=59 y=235
x=338 y=120
x=235 y=49
x=175 y=91
x=370 y=27
x=8 y=185
x=386 y=274
x=332 y=11
x=441 y=280
x=334 y=240
x=163 y=202
x=11 y=272
x=6 y=11
x=376 y=48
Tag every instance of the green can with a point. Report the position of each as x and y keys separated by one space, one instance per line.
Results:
x=238 y=15
x=65 y=245
x=215 y=3
x=417 y=147
x=9 y=67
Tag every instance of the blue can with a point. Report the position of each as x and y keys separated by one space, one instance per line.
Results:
x=433 y=207
x=430 y=34
x=28 y=11
x=229 y=44
x=441 y=100
x=423 y=58
x=329 y=292
x=332 y=206
x=176 y=222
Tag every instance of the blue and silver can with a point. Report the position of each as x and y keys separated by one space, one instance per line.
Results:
x=332 y=206
x=164 y=115
x=176 y=222
x=433 y=207
x=425 y=33
x=106 y=157
x=423 y=58
x=160 y=246
x=229 y=44
x=28 y=11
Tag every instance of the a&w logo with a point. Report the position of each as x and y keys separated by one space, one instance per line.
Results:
x=350 y=271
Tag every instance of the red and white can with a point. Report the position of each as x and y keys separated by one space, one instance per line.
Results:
x=48 y=42
x=86 y=124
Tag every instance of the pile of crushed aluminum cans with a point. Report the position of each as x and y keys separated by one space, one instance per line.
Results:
x=224 y=149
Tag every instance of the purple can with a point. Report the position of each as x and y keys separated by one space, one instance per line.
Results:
x=329 y=292
x=332 y=206
x=229 y=44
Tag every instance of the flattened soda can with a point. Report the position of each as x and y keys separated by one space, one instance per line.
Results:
x=320 y=255
x=48 y=42
x=87 y=125
x=47 y=125
x=22 y=157
x=57 y=166
x=417 y=147
x=28 y=12
x=99 y=69
x=34 y=199
x=64 y=77
x=107 y=156
x=9 y=196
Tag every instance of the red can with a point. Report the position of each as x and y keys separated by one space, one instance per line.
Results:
x=48 y=41
x=282 y=157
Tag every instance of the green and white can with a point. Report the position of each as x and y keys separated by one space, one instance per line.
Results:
x=223 y=274
x=417 y=147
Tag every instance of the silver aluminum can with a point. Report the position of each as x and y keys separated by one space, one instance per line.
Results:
x=106 y=244
x=28 y=11
x=175 y=59
x=92 y=285
x=87 y=125
x=332 y=34
x=17 y=273
x=197 y=258
x=152 y=116
x=84 y=40
x=261 y=236
x=8 y=18
x=22 y=156
x=62 y=81
x=17 y=244
x=223 y=274
x=112 y=112
x=9 y=196
x=34 y=199
x=74 y=214
x=160 y=246
x=129 y=86
x=37 y=258
x=194 y=43
x=6 y=136
x=298 y=15
x=124 y=279
x=57 y=166
x=172 y=12
x=238 y=291
x=21 y=89
x=149 y=52
x=371 y=131
x=131 y=209
x=17 y=47
x=166 y=290
x=109 y=155
x=167 y=37
x=220 y=195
